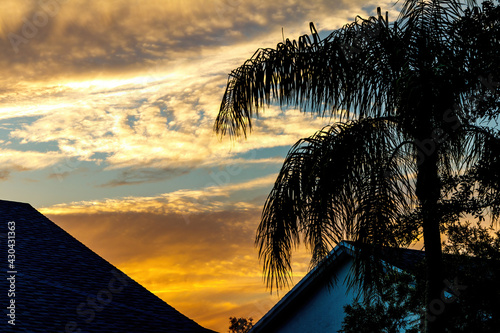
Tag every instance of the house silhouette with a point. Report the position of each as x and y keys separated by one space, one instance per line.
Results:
x=315 y=304
x=55 y=284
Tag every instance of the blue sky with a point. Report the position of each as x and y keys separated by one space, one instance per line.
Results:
x=106 y=116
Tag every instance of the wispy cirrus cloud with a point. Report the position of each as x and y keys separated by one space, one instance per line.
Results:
x=14 y=160
x=136 y=85
x=166 y=125
x=184 y=202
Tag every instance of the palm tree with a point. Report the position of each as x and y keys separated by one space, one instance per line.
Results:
x=414 y=146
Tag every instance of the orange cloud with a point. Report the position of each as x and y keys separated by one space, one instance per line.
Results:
x=208 y=268
x=13 y=160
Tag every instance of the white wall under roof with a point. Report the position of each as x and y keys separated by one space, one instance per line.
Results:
x=323 y=310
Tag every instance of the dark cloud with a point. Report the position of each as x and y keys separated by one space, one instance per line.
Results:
x=89 y=38
x=67 y=168
x=141 y=176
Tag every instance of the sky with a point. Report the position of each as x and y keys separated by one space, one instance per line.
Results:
x=106 y=127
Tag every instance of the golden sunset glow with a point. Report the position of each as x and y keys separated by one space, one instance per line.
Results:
x=106 y=126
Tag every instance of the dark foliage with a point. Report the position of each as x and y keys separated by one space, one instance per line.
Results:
x=240 y=325
x=472 y=257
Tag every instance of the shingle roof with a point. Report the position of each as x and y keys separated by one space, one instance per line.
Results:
x=404 y=259
x=63 y=286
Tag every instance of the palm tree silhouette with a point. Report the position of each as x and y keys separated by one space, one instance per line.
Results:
x=414 y=145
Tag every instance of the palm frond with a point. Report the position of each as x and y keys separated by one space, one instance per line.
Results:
x=346 y=182
x=371 y=67
x=315 y=74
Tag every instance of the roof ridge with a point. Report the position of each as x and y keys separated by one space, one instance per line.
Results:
x=62 y=285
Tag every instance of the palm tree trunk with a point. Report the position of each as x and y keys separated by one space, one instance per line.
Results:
x=428 y=193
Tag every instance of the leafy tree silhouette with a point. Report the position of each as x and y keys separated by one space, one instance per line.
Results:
x=240 y=325
x=472 y=260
